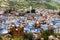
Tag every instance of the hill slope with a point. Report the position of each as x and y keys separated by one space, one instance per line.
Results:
x=25 y=4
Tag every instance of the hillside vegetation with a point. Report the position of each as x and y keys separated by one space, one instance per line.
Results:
x=25 y=4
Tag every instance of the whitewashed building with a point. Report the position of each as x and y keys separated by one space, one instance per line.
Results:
x=57 y=30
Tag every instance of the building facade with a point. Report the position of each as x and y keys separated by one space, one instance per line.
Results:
x=57 y=30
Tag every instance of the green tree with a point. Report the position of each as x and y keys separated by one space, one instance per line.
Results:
x=47 y=33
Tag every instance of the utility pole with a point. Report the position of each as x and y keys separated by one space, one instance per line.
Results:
x=30 y=9
x=30 y=6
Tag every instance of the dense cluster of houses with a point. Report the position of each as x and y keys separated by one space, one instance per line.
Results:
x=46 y=19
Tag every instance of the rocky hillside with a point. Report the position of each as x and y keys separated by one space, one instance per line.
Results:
x=26 y=4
